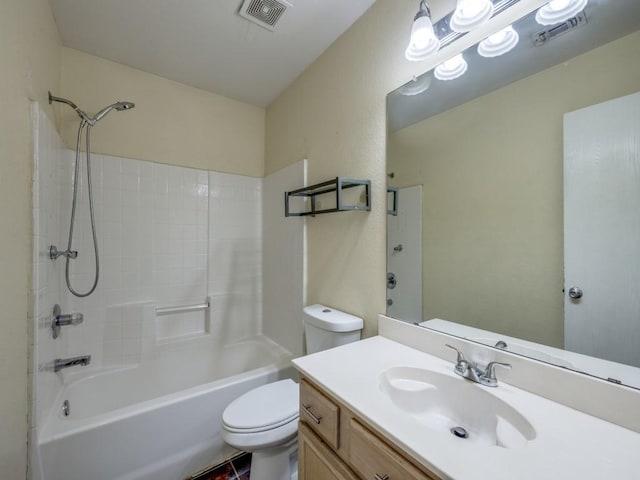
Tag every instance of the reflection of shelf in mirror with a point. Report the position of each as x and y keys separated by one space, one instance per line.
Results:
x=360 y=192
x=392 y=209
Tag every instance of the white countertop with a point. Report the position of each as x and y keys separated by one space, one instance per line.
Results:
x=568 y=445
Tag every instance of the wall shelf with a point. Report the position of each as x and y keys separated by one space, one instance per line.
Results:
x=337 y=193
x=392 y=201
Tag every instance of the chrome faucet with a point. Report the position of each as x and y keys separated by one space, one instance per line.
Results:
x=60 y=363
x=472 y=371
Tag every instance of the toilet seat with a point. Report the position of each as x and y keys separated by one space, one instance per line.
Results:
x=263 y=428
x=264 y=416
x=263 y=408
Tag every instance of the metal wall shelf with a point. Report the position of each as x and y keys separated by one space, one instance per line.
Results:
x=337 y=185
x=392 y=203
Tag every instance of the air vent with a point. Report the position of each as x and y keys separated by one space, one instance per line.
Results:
x=541 y=38
x=265 y=13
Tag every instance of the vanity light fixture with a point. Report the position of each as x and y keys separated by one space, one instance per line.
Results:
x=451 y=69
x=558 y=11
x=471 y=14
x=499 y=43
x=423 y=42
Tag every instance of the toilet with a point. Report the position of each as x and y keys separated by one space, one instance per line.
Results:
x=264 y=420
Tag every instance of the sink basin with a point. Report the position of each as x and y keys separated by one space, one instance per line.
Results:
x=462 y=411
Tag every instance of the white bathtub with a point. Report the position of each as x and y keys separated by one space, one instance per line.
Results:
x=156 y=421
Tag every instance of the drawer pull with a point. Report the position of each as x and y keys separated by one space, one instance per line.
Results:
x=383 y=477
x=314 y=417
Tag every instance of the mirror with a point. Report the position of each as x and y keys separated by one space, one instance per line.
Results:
x=483 y=164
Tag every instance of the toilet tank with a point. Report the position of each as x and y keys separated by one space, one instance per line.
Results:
x=326 y=327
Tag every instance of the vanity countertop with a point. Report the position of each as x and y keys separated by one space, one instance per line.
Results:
x=568 y=445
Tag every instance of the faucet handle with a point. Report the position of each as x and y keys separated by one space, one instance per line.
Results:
x=489 y=375
x=460 y=355
x=461 y=363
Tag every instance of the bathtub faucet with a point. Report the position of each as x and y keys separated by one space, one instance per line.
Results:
x=60 y=363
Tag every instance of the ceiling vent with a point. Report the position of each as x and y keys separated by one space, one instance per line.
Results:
x=265 y=13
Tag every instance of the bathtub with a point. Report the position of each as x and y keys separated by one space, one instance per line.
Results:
x=159 y=420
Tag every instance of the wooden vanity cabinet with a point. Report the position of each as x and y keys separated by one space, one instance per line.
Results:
x=336 y=444
x=316 y=461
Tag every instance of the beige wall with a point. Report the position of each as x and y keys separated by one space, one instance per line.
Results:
x=172 y=122
x=492 y=176
x=30 y=56
x=334 y=114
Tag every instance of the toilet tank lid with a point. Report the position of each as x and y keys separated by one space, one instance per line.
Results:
x=330 y=319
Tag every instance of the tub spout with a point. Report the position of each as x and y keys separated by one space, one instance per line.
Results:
x=60 y=363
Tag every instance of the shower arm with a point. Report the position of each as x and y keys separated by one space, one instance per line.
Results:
x=85 y=118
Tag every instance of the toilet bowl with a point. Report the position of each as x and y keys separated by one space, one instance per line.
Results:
x=264 y=421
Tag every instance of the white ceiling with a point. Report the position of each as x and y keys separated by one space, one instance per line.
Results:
x=205 y=43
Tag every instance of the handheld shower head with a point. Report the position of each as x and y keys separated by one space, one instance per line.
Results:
x=124 y=105
x=119 y=106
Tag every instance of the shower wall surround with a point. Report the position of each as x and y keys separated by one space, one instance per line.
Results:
x=52 y=170
x=235 y=255
x=168 y=236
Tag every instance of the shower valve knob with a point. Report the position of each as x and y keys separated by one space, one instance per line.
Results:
x=54 y=253
x=62 y=320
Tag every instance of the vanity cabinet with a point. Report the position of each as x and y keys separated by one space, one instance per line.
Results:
x=336 y=444
x=316 y=461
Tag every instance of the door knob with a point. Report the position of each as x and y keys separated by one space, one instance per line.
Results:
x=575 y=292
x=391 y=281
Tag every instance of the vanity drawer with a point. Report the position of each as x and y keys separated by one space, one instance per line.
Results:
x=373 y=459
x=320 y=413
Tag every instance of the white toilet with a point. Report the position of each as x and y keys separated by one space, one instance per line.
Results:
x=264 y=421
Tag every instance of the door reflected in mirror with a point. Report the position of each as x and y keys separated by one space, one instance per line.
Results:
x=529 y=172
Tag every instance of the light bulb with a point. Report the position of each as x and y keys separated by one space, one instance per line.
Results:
x=558 y=11
x=499 y=43
x=471 y=14
x=421 y=33
x=471 y=8
x=559 y=4
x=423 y=40
x=497 y=37
x=451 y=69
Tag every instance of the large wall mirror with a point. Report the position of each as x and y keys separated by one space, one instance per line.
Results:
x=518 y=207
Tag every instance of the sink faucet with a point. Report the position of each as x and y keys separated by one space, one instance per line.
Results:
x=471 y=370
x=60 y=363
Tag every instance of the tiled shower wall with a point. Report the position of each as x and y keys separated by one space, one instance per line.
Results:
x=48 y=191
x=167 y=236
x=152 y=224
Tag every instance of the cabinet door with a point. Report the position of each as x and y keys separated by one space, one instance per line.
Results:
x=316 y=461
x=374 y=459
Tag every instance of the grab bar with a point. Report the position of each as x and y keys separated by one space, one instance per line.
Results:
x=182 y=308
